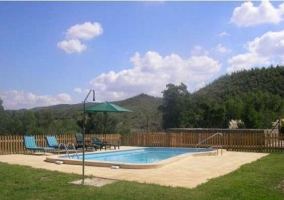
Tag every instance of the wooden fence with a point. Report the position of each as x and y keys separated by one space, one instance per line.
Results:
x=14 y=144
x=235 y=140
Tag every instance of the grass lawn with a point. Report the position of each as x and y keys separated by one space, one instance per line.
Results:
x=259 y=180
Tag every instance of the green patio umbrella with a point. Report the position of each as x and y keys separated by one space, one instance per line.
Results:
x=105 y=108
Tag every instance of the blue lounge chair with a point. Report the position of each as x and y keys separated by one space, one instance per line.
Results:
x=30 y=144
x=52 y=141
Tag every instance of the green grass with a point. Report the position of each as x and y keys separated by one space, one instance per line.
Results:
x=255 y=181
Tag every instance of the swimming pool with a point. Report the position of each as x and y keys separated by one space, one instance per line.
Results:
x=145 y=155
x=134 y=158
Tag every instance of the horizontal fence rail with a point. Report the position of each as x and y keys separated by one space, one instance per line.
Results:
x=234 y=140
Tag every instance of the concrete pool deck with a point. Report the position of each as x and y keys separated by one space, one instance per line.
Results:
x=187 y=172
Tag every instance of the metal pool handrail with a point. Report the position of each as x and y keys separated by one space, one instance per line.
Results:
x=199 y=143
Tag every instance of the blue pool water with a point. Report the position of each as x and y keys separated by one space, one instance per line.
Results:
x=144 y=155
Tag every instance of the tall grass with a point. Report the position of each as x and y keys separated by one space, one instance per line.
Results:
x=255 y=181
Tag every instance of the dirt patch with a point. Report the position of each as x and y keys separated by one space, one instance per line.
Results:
x=280 y=186
x=96 y=182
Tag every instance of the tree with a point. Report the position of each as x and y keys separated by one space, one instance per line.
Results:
x=174 y=107
x=207 y=113
x=261 y=109
x=3 y=119
x=44 y=120
x=234 y=109
x=215 y=117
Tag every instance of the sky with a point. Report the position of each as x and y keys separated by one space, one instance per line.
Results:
x=56 y=52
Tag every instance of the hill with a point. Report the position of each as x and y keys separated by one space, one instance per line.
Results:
x=254 y=96
x=144 y=110
x=270 y=80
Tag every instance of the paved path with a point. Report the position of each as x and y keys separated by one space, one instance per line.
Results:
x=188 y=172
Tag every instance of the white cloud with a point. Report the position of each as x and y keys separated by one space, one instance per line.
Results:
x=262 y=51
x=150 y=74
x=84 y=31
x=79 y=32
x=223 y=34
x=246 y=61
x=249 y=15
x=13 y=99
x=198 y=50
x=269 y=44
x=80 y=91
x=72 y=46
x=221 y=49
x=63 y=98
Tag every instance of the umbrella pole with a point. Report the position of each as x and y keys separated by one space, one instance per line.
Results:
x=105 y=116
x=84 y=132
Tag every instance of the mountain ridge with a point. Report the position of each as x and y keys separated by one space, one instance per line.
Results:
x=236 y=87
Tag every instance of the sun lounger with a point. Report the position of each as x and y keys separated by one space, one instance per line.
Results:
x=102 y=144
x=30 y=144
x=67 y=148
x=79 y=140
x=52 y=141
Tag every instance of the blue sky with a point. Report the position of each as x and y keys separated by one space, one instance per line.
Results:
x=55 y=52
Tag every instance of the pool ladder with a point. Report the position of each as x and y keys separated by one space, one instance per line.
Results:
x=215 y=146
x=69 y=147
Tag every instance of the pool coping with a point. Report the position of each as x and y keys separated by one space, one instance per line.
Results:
x=59 y=160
